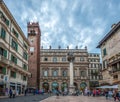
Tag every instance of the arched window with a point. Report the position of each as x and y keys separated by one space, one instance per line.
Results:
x=45 y=73
x=64 y=73
x=55 y=86
x=55 y=73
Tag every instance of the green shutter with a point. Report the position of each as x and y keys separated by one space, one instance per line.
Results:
x=15 y=61
x=17 y=35
x=14 y=74
x=12 y=58
x=4 y=70
x=5 y=53
x=25 y=66
x=104 y=52
x=16 y=47
x=7 y=22
x=3 y=33
x=12 y=43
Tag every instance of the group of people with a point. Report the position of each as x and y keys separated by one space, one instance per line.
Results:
x=112 y=93
x=12 y=93
x=108 y=93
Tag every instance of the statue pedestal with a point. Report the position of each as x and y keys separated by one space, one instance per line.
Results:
x=71 y=90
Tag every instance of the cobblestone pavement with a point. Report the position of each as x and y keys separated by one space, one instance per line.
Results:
x=76 y=99
x=29 y=98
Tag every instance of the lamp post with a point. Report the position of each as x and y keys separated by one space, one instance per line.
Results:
x=71 y=58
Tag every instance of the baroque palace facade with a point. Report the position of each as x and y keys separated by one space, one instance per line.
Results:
x=13 y=53
x=54 y=69
x=110 y=51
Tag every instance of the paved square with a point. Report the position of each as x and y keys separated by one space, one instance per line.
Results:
x=76 y=99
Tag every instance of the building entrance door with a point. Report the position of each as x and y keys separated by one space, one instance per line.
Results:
x=45 y=86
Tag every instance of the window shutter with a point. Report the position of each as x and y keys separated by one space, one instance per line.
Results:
x=7 y=22
x=16 y=47
x=4 y=70
x=14 y=74
x=3 y=33
x=17 y=35
x=15 y=60
x=5 y=53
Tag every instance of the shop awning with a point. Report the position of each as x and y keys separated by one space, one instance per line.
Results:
x=108 y=87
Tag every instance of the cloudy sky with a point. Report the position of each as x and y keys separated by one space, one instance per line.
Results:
x=67 y=22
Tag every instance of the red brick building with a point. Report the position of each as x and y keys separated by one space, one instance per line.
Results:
x=34 y=35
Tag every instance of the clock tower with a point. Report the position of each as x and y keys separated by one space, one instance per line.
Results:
x=34 y=37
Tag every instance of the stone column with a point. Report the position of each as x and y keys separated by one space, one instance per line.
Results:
x=71 y=59
x=50 y=72
x=59 y=74
x=71 y=73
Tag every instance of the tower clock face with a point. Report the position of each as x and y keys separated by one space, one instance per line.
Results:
x=31 y=49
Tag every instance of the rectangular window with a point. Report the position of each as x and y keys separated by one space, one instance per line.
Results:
x=24 y=66
x=14 y=45
x=45 y=59
x=115 y=77
x=3 y=52
x=81 y=58
x=54 y=59
x=2 y=70
x=104 y=64
x=104 y=52
x=4 y=19
x=63 y=59
x=3 y=33
x=13 y=59
x=24 y=78
x=14 y=32
x=13 y=74
x=25 y=46
x=25 y=56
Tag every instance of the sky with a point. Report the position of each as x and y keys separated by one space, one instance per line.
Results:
x=67 y=22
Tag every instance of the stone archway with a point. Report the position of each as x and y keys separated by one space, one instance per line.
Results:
x=45 y=86
x=76 y=86
x=55 y=86
x=83 y=85
x=64 y=86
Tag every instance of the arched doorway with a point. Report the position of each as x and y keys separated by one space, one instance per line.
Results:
x=76 y=86
x=64 y=86
x=55 y=86
x=83 y=85
x=45 y=86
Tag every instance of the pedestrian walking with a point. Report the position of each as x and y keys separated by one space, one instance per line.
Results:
x=25 y=92
x=10 y=93
x=57 y=93
x=13 y=92
x=116 y=96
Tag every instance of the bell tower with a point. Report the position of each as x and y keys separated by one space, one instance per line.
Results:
x=34 y=37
